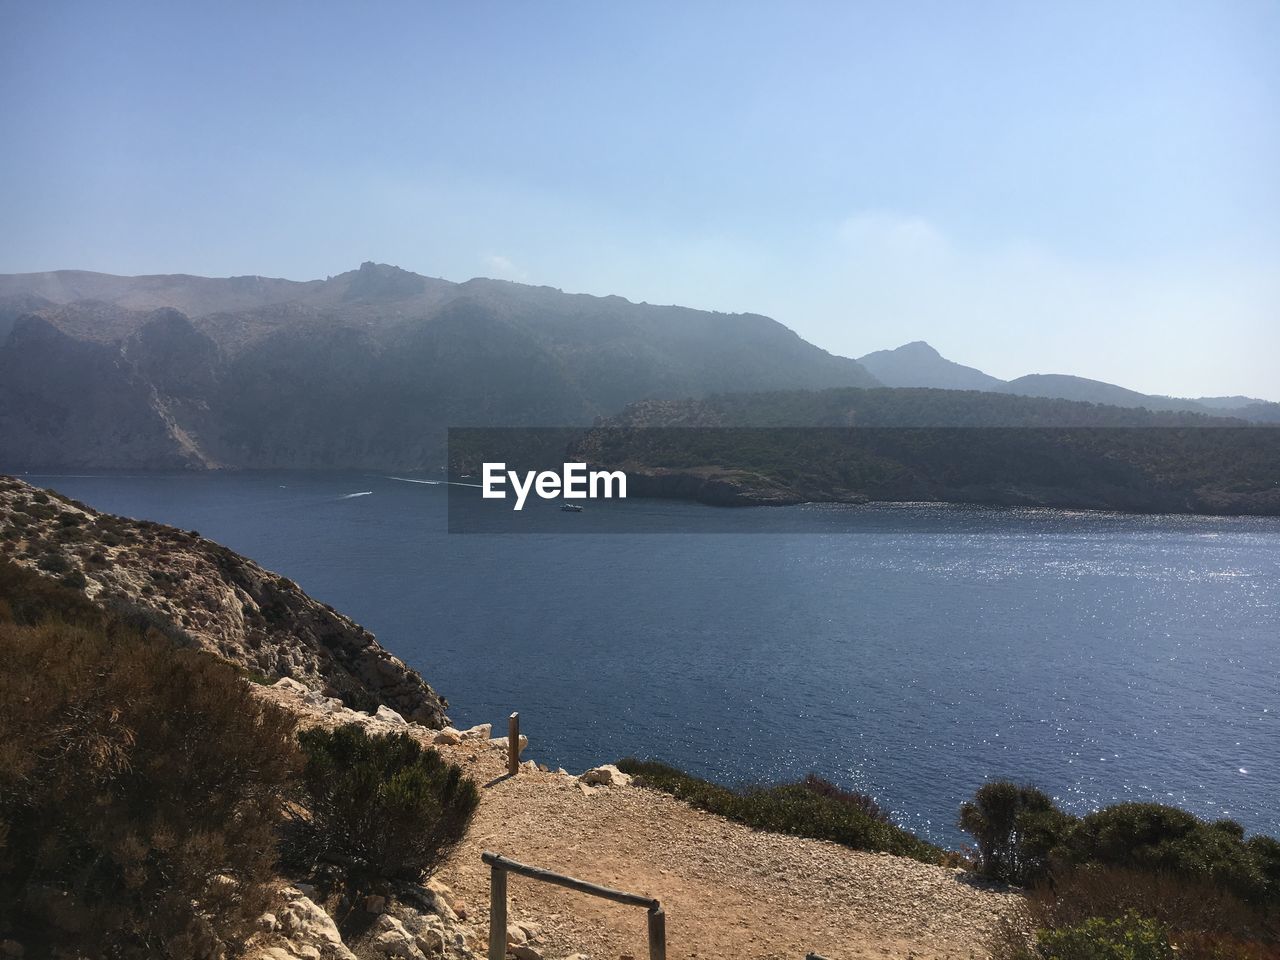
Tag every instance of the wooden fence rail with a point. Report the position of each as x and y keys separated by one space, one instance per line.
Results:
x=500 y=866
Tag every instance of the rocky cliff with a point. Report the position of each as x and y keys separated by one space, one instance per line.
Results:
x=208 y=596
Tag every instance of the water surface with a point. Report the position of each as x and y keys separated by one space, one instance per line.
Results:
x=909 y=651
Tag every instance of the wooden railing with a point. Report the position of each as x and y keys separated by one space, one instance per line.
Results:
x=500 y=866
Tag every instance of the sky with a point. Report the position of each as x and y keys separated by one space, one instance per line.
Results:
x=1033 y=187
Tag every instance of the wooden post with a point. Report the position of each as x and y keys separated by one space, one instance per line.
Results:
x=513 y=745
x=497 y=913
x=657 y=934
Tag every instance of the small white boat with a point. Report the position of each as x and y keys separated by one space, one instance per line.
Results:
x=571 y=507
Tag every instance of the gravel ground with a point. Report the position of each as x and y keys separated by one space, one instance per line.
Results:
x=728 y=891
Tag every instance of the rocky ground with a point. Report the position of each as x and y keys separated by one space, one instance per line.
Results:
x=214 y=597
x=728 y=891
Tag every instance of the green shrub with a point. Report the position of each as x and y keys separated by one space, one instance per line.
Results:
x=1153 y=837
x=805 y=809
x=1016 y=828
x=141 y=785
x=1128 y=938
x=378 y=808
x=1021 y=836
x=1186 y=905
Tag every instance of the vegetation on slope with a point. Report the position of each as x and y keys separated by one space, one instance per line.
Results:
x=1133 y=873
x=145 y=789
x=941 y=445
x=811 y=807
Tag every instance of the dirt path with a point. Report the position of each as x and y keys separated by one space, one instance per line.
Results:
x=728 y=891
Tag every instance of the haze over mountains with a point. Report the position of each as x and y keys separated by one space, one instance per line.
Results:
x=367 y=368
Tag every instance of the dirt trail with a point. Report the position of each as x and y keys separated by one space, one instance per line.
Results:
x=728 y=891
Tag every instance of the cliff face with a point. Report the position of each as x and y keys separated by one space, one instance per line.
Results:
x=211 y=597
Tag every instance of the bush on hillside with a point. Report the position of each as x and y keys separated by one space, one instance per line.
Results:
x=803 y=809
x=1015 y=829
x=1022 y=837
x=378 y=808
x=141 y=785
x=1127 y=938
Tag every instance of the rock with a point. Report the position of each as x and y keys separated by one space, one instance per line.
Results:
x=529 y=766
x=375 y=904
x=11 y=948
x=430 y=941
x=481 y=731
x=500 y=743
x=448 y=736
x=516 y=936
x=387 y=715
x=607 y=776
x=391 y=939
x=525 y=952
x=532 y=931
x=308 y=926
x=268 y=922
x=291 y=685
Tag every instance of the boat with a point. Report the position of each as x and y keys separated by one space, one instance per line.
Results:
x=571 y=507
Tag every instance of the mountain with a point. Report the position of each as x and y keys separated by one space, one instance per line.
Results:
x=206 y=596
x=917 y=364
x=362 y=370
x=1066 y=387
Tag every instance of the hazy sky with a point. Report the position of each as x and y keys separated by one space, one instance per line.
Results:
x=1078 y=187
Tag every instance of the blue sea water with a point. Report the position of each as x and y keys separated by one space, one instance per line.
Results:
x=910 y=651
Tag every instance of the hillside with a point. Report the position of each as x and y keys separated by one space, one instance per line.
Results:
x=209 y=597
x=364 y=369
x=919 y=365
x=937 y=445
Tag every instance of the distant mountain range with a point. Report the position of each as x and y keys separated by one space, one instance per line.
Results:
x=920 y=365
x=362 y=370
x=366 y=369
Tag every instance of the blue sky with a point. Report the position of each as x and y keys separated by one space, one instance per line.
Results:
x=1032 y=187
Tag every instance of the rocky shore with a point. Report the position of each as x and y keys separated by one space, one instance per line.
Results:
x=211 y=597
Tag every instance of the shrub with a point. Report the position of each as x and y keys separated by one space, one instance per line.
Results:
x=1128 y=938
x=859 y=801
x=1015 y=827
x=804 y=809
x=379 y=808
x=1153 y=837
x=1185 y=905
x=141 y=786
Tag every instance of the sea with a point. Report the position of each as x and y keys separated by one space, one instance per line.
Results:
x=910 y=651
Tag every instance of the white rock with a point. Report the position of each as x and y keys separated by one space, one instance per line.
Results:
x=607 y=775
x=292 y=686
x=525 y=952
x=481 y=731
x=516 y=935
x=500 y=743
x=532 y=931
x=393 y=940
x=307 y=925
x=387 y=715
x=448 y=735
